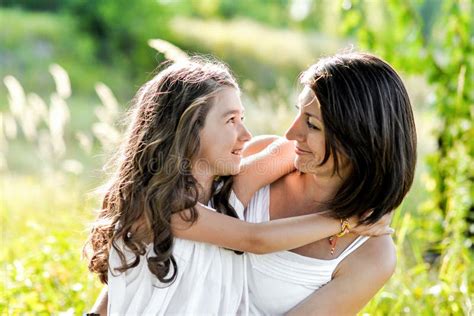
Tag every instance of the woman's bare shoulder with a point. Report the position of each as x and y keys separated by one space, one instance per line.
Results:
x=376 y=259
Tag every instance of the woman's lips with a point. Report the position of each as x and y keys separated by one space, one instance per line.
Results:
x=300 y=151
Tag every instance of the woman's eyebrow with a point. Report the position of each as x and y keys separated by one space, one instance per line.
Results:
x=297 y=106
x=312 y=115
x=309 y=113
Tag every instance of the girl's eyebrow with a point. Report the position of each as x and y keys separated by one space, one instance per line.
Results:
x=233 y=112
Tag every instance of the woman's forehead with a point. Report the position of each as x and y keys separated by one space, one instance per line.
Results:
x=307 y=98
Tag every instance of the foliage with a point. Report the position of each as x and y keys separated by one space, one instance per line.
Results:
x=44 y=5
x=120 y=39
x=43 y=214
x=33 y=41
x=442 y=52
x=266 y=61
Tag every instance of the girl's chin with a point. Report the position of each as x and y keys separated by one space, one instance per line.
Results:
x=229 y=170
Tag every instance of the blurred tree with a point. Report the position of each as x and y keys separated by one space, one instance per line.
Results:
x=35 y=5
x=307 y=14
x=271 y=12
x=122 y=29
x=439 y=47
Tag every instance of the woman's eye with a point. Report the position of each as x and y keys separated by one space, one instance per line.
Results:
x=231 y=120
x=242 y=118
x=311 y=126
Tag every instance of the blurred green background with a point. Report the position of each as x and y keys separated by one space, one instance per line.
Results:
x=70 y=68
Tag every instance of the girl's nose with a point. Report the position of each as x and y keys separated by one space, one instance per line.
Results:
x=244 y=134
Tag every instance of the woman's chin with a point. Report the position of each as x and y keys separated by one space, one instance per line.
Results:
x=301 y=165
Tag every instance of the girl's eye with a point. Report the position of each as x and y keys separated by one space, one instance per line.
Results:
x=232 y=119
x=311 y=126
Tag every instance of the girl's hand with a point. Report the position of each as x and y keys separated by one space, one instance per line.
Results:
x=381 y=227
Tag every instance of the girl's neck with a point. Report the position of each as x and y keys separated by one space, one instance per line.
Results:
x=205 y=186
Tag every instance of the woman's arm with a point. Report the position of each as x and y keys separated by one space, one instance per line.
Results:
x=276 y=235
x=358 y=278
x=266 y=159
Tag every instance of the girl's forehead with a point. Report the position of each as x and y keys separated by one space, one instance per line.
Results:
x=226 y=101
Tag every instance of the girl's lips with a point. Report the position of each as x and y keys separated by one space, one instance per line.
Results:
x=237 y=152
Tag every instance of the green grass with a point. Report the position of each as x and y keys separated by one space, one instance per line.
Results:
x=442 y=287
x=43 y=230
x=44 y=227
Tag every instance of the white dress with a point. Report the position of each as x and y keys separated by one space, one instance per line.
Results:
x=210 y=281
x=279 y=281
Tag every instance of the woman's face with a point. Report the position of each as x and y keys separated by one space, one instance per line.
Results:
x=307 y=131
x=223 y=135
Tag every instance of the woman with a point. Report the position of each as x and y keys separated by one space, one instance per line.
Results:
x=356 y=150
x=187 y=129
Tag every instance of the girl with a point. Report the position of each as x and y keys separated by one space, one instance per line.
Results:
x=173 y=178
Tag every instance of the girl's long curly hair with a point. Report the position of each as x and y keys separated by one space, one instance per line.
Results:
x=152 y=176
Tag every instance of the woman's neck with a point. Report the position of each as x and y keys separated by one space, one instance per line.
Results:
x=321 y=188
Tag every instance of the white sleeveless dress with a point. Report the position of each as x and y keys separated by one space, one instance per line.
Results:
x=210 y=281
x=279 y=281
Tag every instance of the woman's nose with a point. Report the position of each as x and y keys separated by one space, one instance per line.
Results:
x=296 y=130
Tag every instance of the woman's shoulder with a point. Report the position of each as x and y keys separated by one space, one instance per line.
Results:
x=287 y=182
x=377 y=256
x=380 y=250
x=285 y=191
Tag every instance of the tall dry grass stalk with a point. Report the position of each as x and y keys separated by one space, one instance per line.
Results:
x=45 y=127
x=105 y=129
x=170 y=51
x=61 y=79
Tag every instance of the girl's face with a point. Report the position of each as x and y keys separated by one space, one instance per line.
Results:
x=223 y=135
x=308 y=132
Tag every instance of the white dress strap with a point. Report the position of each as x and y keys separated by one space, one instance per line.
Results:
x=359 y=241
x=237 y=204
x=259 y=207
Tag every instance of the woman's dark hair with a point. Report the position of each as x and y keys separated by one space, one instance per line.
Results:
x=152 y=177
x=367 y=118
